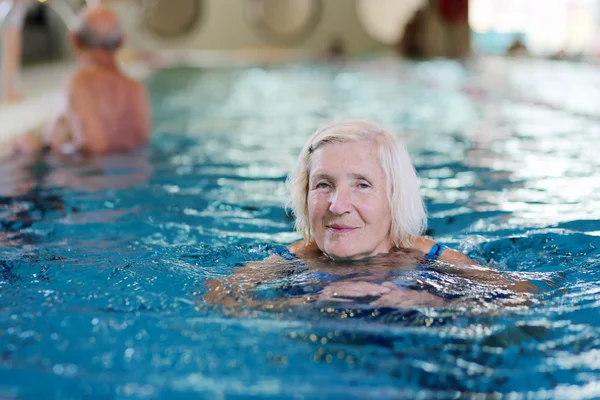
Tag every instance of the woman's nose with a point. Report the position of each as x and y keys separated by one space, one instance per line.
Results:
x=339 y=202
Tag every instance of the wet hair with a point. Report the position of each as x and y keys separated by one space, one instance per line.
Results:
x=408 y=215
x=88 y=38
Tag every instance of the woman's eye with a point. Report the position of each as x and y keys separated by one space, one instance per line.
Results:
x=322 y=185
x=364 y=185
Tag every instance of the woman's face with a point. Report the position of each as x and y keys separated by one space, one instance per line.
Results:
x=348 y=207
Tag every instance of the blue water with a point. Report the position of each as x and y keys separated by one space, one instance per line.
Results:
x=103 y=261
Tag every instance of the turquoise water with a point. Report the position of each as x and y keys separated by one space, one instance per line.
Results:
x=103 y=261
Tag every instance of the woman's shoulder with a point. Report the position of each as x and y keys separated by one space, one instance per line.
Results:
x=302 y=249
x=423 y=244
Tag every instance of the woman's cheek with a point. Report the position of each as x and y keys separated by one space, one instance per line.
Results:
x=315 y=201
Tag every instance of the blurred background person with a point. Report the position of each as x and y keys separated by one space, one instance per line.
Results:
x=517 y=49
x=104 y=110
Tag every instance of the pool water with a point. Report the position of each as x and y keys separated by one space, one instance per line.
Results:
x=103 y=261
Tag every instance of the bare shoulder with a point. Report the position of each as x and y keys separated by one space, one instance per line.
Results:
x=86 y=74
x=134 y=88
x=92 y=74
x=84 y=79
x=139 y=89
x=296 y=246
x=130 y=81
x=302 y=250
x=78 y=79
x=423 y=244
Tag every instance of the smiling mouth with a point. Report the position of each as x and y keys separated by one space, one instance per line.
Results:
x=340 y=228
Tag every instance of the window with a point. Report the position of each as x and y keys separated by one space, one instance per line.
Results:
x=284 y=21
x=546 y=27
x=171 y=18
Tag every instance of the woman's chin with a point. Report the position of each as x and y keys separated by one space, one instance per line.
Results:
x=341 y=255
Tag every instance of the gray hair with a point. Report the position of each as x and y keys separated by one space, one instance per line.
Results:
x=89 y=38
x=407 y=210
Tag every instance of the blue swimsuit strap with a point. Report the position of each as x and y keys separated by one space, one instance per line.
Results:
x=436 y=251
x=285 y=254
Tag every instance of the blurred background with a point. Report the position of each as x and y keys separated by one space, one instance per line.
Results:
x=422 y=28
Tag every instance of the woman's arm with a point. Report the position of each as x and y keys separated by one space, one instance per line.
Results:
x=461 y=265
x=233 y=292
x=452 y=256
x=379 y=295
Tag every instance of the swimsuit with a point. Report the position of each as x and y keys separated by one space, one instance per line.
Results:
x=435 y=251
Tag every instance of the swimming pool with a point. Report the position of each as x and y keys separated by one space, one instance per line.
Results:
x=103 y=261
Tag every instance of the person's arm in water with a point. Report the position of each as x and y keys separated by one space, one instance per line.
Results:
x=453 y=262
x=444 y=254
x=76 y=125
x=57 y=136
x=144 y=114
x=378 y=295
x=234 y=291
x=457 y=263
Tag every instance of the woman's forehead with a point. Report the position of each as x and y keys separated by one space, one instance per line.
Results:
x=356 y=147
x=355 y=157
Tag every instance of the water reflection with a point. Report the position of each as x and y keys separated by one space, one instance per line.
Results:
x=38 y=187
x=115 y=275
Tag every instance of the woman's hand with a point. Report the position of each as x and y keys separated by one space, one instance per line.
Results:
x=380 y=295
x=408 y=298
x=352 y=290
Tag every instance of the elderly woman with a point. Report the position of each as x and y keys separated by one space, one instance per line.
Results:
x=357 y=204
x=355 y=194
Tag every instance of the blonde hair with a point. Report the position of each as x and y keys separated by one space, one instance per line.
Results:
x=408 y=215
